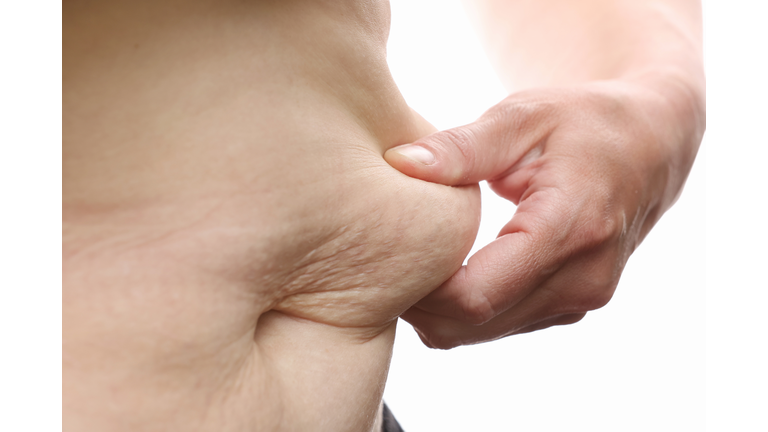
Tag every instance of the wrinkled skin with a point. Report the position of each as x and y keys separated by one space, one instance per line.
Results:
x=587 y=167
x=236 y=249
x=606 y=111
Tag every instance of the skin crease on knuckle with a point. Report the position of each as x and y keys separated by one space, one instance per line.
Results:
x=475 y=307
x=519 y=125
x=561 y=300
x=596 y=189
x=586 y=283
x=595 y=240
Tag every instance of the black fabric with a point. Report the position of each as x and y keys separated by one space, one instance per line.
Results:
x=389 y=424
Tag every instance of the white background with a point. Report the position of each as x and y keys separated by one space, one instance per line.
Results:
x=681 y=346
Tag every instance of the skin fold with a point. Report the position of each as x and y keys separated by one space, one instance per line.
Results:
x=236 y=248
x=242 y=222
x=594 y=143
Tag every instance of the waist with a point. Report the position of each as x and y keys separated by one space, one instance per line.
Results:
x=153 y=91
x=231 y=228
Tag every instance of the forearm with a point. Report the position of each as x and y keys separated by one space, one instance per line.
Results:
x=654 y=47
x=562 y=42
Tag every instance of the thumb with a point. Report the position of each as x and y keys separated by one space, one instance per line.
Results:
x=484 y=150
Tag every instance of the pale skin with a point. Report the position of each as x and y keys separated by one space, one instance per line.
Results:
x=594 y=143
x=236 y=247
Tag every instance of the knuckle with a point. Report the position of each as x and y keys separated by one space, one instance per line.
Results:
x=524 y=110
x=574 y=318
x=598 y=299
x=477 y=308
x=607 y=229
x=603 y=229
x=599 y=290
x=570 y=318
x=593 y=290
x=460 y=142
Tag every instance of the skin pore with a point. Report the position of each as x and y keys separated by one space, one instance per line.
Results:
x=236 y=249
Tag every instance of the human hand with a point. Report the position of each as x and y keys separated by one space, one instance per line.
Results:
x=591 y=169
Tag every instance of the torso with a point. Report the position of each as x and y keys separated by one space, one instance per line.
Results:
x=236 y=250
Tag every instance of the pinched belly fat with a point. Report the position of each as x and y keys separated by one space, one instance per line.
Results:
x=236 y=249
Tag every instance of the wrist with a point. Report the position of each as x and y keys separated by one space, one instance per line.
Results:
x=674 y=102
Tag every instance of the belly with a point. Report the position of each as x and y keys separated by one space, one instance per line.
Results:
x=236 y=250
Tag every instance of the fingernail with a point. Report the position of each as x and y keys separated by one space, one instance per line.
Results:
x=416 y=153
